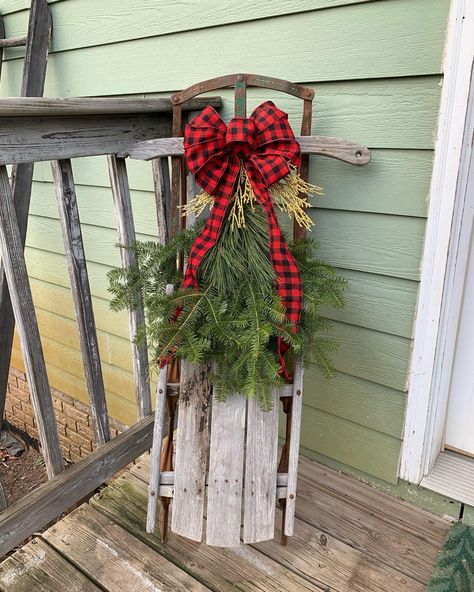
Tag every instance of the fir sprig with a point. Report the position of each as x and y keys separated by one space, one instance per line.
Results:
x=236 y=317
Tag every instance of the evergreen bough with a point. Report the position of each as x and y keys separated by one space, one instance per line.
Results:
x=236 y=316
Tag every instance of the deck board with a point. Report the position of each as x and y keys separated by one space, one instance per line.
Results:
x=409 y=517
x=225 y=569
x=313 y=555
x=387 y=529
x=325 y=559
x=115 y=559
x=38 y=567
x=349 y=537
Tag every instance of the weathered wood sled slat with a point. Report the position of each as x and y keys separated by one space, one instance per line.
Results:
x=226 y=472
x=239 y=482
x=260 y=472
x=192 y=446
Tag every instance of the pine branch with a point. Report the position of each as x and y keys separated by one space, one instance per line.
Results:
x=234 y=320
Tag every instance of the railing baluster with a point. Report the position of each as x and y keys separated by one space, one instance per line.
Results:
x=162 y=185
x=76 y=260
x=136 y=317
x=16 y=273
x=34 y=74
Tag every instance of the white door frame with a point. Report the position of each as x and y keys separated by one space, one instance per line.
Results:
x=433 y=340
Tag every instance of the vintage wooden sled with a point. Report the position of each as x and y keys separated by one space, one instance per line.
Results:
x=226 y=477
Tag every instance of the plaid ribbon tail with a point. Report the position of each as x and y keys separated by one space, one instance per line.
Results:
x=289 y=286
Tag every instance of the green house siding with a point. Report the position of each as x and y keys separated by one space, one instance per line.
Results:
x=376 y=69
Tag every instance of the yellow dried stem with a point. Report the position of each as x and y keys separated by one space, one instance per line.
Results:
x=243 y=195
x=289 y=195
x=198 y=204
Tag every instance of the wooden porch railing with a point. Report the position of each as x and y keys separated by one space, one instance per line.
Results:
x=60 y=130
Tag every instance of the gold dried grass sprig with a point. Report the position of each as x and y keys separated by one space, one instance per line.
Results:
x=198 y=204
x=243 y=195
x=290 y=195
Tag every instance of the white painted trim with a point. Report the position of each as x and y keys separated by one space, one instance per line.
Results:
x=426 y=408
x=456 y=272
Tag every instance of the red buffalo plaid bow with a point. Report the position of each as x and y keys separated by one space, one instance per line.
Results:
x=264 y=145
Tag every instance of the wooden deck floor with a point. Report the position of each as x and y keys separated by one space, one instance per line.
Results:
x=349 y=538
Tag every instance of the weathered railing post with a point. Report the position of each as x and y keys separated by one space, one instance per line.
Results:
x=136 y=317
x=34 y=74
x=81 y=294
x=11 y=247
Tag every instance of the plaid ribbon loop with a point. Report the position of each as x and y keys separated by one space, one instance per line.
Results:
x=264 y=144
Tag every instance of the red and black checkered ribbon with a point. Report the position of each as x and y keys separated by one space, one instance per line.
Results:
x=264 y=144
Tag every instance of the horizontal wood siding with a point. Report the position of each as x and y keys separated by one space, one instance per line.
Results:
x=376 y=68
x=366 y=40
